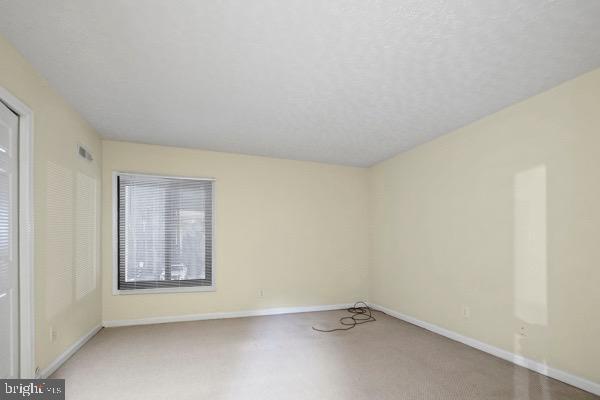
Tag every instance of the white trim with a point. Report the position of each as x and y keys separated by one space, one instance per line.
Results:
x=68 y=353
x=185 y=289
x=192 y=178
x=223 y=315
x=115 y=248
x=26 y=272
x=115 y=233
x=541 y=368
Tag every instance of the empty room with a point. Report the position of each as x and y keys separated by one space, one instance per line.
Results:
x=300 y=199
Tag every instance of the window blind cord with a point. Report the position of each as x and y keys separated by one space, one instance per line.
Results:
x=361 y=314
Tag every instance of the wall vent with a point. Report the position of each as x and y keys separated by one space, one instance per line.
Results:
x=84 y=153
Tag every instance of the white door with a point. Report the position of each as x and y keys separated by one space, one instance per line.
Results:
x=9 y=247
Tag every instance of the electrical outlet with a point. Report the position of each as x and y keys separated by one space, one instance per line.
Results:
x=466 y=312
x=53 y=334
x=261 y=293
x=523 y=331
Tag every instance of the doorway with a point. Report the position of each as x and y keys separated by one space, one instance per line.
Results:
x=9 y=243
x=16 y=239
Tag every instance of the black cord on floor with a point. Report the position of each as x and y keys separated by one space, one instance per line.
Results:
x=361 y=314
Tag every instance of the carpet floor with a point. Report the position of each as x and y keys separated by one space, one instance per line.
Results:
x=281 y=357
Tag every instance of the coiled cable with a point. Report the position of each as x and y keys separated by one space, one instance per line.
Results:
x=361 y=314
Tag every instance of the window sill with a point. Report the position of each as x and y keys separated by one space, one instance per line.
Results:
x=193 y=289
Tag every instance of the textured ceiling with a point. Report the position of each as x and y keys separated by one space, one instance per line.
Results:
x=349 y=82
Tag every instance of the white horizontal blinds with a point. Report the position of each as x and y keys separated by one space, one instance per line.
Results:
x=165 y=232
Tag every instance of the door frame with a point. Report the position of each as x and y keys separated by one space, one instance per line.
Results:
x=26 y=235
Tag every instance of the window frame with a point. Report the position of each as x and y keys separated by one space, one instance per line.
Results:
x=115 y=239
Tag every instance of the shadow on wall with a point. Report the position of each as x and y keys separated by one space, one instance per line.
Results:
x=71 y=242
x=530 y=275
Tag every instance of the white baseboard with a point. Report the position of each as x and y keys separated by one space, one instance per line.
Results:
x=60 y=360
x=222 y=315
x=541 y=368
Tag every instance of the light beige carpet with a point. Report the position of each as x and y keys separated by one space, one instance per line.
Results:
x=280 y=357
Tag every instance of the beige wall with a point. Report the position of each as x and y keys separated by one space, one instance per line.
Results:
x=66 y=190
x=296 y=230
x=502 y=216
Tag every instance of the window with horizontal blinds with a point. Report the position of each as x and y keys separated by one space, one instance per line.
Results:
x=165 y=232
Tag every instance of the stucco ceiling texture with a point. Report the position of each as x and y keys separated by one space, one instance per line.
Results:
x=348 y=82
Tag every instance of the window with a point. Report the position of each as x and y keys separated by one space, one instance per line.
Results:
x=164 y=232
